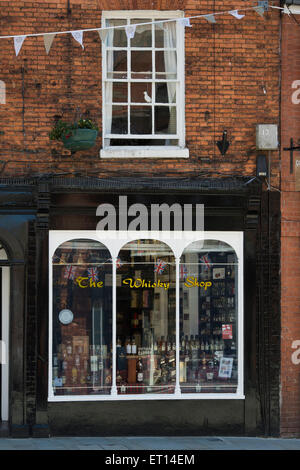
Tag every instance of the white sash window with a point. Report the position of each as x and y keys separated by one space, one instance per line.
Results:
x=143 y=85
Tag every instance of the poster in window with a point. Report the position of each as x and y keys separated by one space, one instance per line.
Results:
x=225 y=368
x=226 y=331
x=219 y=273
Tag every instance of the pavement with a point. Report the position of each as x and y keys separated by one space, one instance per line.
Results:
x=186 y=443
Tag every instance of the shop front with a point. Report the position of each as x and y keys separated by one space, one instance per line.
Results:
x=141 y=332
x=159 y=332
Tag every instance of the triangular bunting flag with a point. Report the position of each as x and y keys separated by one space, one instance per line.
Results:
x=103 y=34
x=48 y=40
x=159 y=25
x=130 y=31
x=210 y=18
x=236 y=14
x=286 y=10
x=185 y=22
x=78 y=36
x=259 y=10
x=18 y=42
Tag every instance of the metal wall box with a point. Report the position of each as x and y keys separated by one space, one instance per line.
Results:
x=266 y=137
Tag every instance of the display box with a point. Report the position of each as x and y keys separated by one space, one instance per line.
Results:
x=81 y=345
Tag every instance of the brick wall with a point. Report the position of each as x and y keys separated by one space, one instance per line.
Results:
x=290 y=234
x=227 y=66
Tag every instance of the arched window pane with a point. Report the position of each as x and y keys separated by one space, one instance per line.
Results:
x=82 y=318
x=208 y=318
x=146 y=316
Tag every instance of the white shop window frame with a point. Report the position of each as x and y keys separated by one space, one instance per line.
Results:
x=150 y=151
x=177 y=241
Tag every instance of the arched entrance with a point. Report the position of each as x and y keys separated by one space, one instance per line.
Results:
x=4 y=335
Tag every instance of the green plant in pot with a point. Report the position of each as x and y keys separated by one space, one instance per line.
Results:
x=80 y=135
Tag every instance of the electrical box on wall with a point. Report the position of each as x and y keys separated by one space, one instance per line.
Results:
x=266 y=137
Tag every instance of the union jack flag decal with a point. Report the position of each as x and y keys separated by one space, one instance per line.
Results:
x=183 y=272
x=159 y=266
x=70 y=272
x=119 y=262
x=93 y=274
x=205 y=259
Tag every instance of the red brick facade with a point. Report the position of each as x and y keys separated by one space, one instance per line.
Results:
x=232 y=82
x=226 y=68
x=290 y=232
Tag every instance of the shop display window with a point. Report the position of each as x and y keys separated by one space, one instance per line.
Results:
x=142 y=317
x=208 y=318
x=82 y=318
x=146 y=318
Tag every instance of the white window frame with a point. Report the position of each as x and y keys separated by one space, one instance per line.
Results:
x=4 y=343
x=155 y=151
x=177 y=241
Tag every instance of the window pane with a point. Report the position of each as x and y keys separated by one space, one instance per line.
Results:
x=166 y=65
x=138 y=142
x=119 y=121
x=140 y=119
x=146 y=350
x=117 y=37
x=120 y=92
x=116 y=64
x=208 y=318
x=159 y=35
x=141 y=92
x=143 y=34
x=141 y=64
x=165 y=92
x=165 y=120
x=82 y=319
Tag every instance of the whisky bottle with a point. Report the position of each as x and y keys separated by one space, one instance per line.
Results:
x=182 y=348
x=187 y=345
x=135 y=321
x=139 y=371
x=133 y=347
x=94 y=363
x=74 y=374
x=128 y=346
x=197 y=342
x=69 y=347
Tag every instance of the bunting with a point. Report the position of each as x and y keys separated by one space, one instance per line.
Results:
x=185 y=22
x=70 y=272
x=210 y=18
x=78 y=36
x=48 y=40
x=103 y=34
x=18 y=42
x=160 y=266
x=183 y=272
x=130 y=30
x=259 y=10
x=236 y=14
x=93 y=274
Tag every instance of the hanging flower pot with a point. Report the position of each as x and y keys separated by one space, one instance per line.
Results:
x=80 y=139
x=78 y=136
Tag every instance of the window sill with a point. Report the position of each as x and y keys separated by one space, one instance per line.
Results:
x=184 y=396
x=144 y=152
